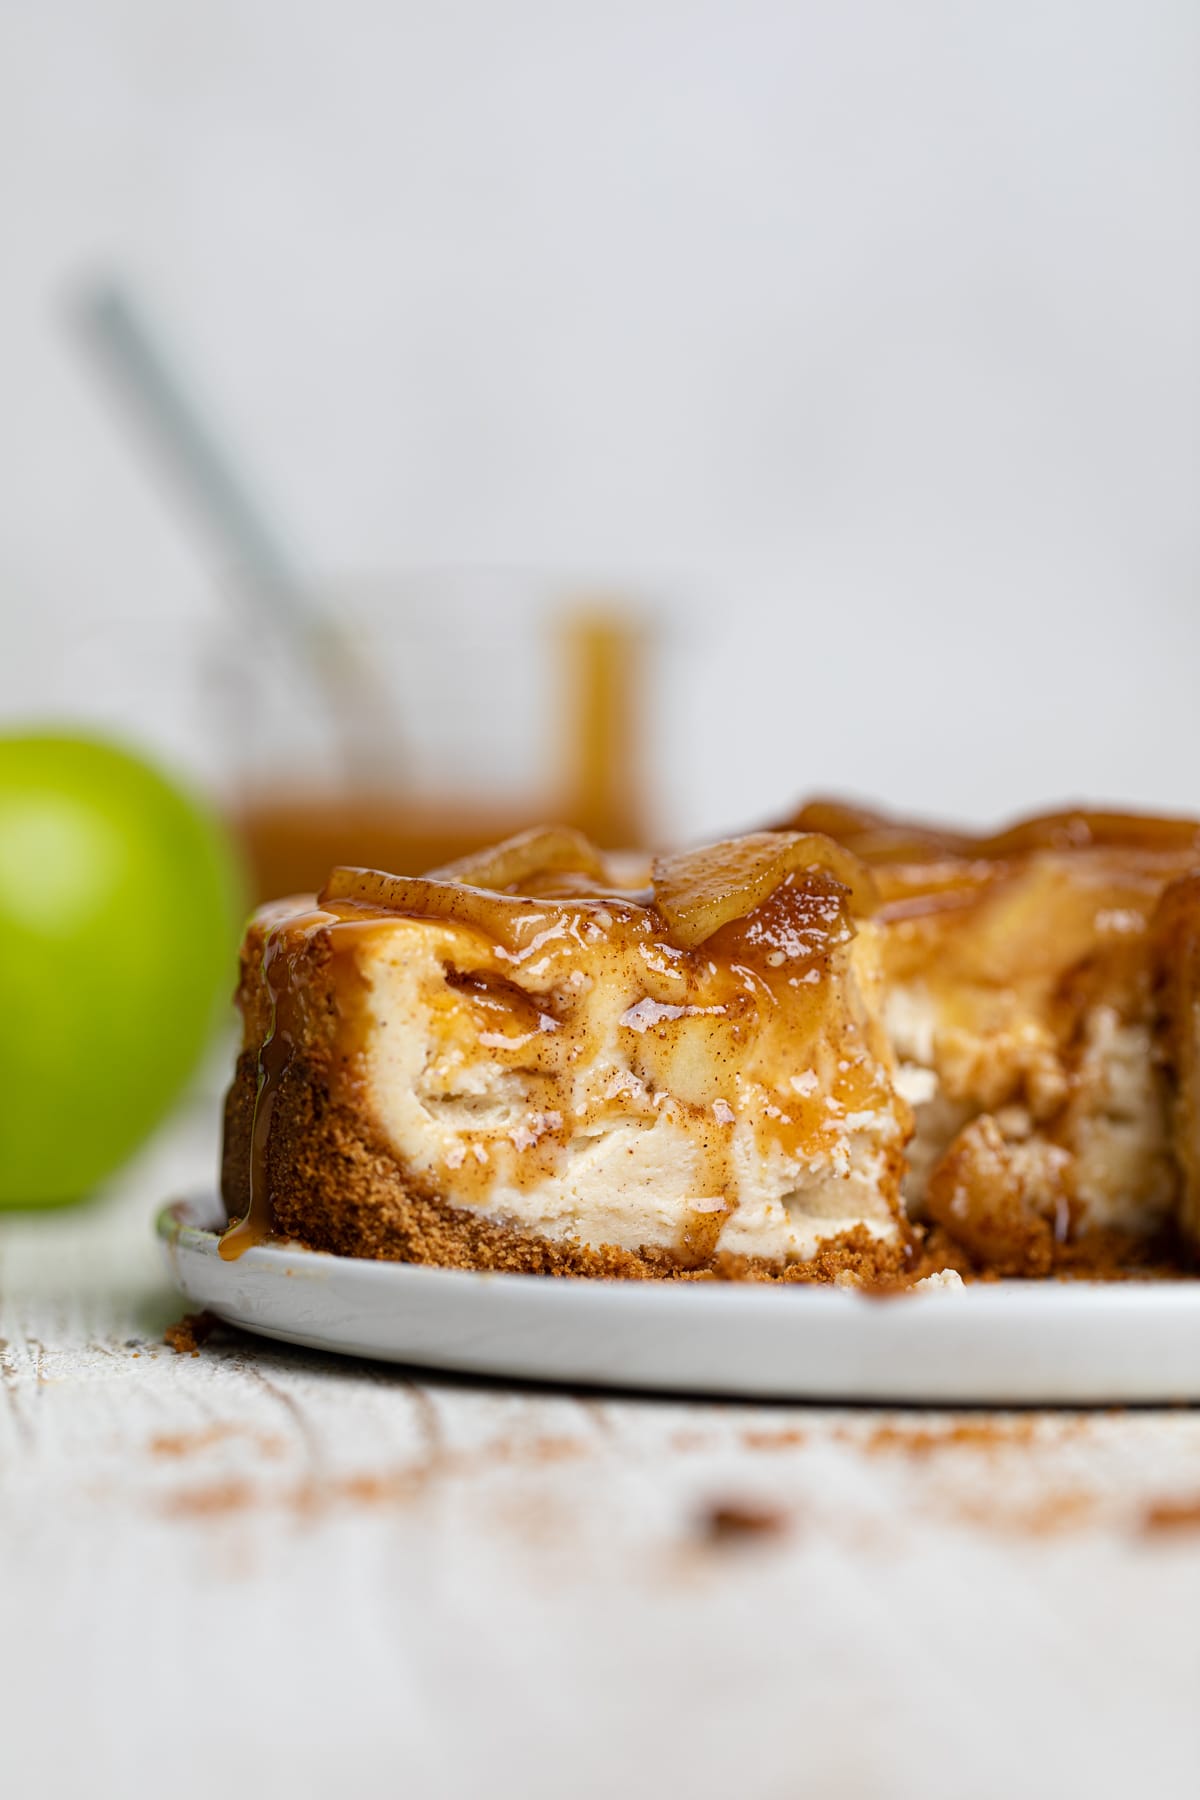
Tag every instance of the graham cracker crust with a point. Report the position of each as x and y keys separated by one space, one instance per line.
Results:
x=334 y=1187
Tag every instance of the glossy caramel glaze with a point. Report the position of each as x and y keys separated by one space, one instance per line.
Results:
x=877 y=837
x=1040 y=918
x=287 y=1010
x=565 y=1007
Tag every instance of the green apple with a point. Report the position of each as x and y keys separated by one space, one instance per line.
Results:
x=119 y=905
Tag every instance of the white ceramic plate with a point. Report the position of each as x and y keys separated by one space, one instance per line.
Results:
x=1003 y=1343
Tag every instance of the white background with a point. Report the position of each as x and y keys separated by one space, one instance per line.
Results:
x=861 y=338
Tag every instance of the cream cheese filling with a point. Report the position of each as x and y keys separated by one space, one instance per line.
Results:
x=603 y=1153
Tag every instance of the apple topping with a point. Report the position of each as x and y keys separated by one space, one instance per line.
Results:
x=387 y=893
x=461 y=889
x=542 y=850
x=699 y=891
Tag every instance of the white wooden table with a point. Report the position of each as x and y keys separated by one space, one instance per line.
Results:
x=270 y=1572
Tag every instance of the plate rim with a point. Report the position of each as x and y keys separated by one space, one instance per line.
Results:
x=176 y=1224
x=1001 y=1344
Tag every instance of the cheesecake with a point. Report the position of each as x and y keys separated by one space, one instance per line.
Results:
x=543 y=1059
x=847 y=1049
x=1040 y=989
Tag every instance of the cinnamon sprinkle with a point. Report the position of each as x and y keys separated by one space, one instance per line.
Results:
x=790 y=1439
x=212 y=1501
x=179 y=1444
x=368 y=1488
x=966 y=1434
x=1164 y=1516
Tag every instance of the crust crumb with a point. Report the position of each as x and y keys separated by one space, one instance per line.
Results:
x=187 y=1334
x=977 y=1194
x=729 y=1522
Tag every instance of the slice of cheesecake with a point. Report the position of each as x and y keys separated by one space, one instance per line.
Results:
x=1041 y=992
x=538 y=1059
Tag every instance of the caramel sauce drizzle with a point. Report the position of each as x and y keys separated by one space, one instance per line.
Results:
x=289 y=945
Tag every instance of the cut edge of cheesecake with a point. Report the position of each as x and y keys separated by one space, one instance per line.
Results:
x=1042 y=991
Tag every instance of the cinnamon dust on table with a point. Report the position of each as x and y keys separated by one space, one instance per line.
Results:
x=788 y=1439
x=963 y=1434
x=175 y=1445
x=364 y=1489
x=187 y=1334
x=305 y=1499
x=215 y=1500
x=1054 y=1514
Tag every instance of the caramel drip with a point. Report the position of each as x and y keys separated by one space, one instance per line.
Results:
x=708 y=1215
x=289 y=946
x=274 y=1056
x=702 y=1229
